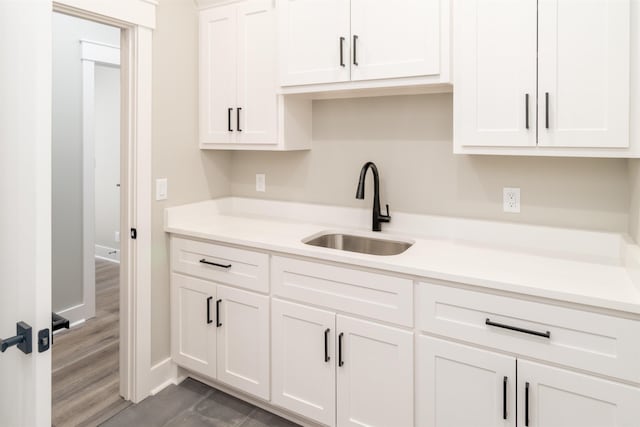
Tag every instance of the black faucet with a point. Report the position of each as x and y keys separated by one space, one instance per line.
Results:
x=378 y=218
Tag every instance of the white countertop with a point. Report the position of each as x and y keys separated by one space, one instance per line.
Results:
x=604 y=276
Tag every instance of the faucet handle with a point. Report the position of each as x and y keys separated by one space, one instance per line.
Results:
x=387 y=217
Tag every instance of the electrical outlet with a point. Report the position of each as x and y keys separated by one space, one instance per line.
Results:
x=161 y=189
x=511 y=200
x=117 y=237
x=261 y=182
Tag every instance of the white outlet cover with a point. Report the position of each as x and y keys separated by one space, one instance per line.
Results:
x=161 y=189
x=117 y=236
x=261 y=182
x=511 y=200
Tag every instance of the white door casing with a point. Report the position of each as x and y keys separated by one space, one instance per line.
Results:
x=25 y=220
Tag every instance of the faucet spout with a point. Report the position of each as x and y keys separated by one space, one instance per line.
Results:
x=377 y=217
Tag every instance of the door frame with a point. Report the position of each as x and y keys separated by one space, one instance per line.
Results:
x=136 y=19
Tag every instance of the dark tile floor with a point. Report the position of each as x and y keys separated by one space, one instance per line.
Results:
x=193 y=404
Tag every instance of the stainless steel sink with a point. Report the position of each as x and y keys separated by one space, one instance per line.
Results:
x=361 y=244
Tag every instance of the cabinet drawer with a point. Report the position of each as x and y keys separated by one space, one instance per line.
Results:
x=238 y=267
x=595 y=342
x=377 y=296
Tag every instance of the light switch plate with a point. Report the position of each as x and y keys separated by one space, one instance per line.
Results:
x=261 y=182
x=511 y=200
x=161 y=189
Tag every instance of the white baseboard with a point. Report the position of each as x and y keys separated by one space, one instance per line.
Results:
x=163 y=375
x=108 y=254
x=75 y=315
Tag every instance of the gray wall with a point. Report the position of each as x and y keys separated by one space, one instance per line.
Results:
x=410 y=139
x=67 y=154
x=193 y=175
x=634 y=199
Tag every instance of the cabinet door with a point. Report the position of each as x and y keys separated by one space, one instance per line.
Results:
x=218 y=73
x=495 y=72
x=461 y=386
x=394 y=38
x=553 y=397
x=243 y=341
x=304 y=360
x=256 y=109
x=193 y=329
x=311 y=33
x=584 y=73
x=375 y=374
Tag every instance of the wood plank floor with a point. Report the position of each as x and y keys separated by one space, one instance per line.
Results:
x=85 y=382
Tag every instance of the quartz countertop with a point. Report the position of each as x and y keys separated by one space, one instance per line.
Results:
x=596 y=280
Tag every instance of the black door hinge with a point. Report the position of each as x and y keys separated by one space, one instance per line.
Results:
x=134 y=233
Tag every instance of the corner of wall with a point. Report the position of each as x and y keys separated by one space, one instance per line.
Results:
x=634 y=199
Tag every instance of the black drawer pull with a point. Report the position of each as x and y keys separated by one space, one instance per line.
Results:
x=340 y=361
x=215 y=264
x=504 y=398
x=209 y=321
x=326 y=345
x=546 y=110
x=218 y=324
x=526 y=404
x=546 y=334
x=355 y=50
x=229 y=110
x=342 y=52
x=238 y=119
x=526 y=110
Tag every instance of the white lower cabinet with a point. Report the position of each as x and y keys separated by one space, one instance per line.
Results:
x=338 y=370
x=553 y=397
x=462 y=386
x=243 y=340
x=221 y=332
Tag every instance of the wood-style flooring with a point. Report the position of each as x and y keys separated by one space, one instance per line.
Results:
x=85 y=382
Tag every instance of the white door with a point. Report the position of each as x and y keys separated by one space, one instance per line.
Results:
x=583 y=74
x=495 y=74
x=462 y=386
x=218 y=73
x=375 y=374
x=304 y=360
x=257 y=105
x=193 y=324
x=25 y=217
x=391 y=39
x=243 y=341
x=553 y=397
x=314 y=41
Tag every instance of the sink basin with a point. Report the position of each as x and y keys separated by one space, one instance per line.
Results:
x=361 y=244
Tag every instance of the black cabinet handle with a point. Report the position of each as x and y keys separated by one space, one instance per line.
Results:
x=546 y=334
x=238 y=119
x=209 y=321
x=526 y=110
x=215 y=264
x=355 y=50
x=229 y=110
x=504 y=398
x=340 y=361
x=342 y=51
x=526 y=404
x=218 y=324
x=326 y=345
x=546 y=109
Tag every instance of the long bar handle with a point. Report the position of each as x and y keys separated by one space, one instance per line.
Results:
x=326 y=345
x=229 y=110
x=526 y=110
x=355 y=50
x=545 y=334
x=209 y=321
x=526 y=405
x=340 y=361
x=238 y=128
x=546 y=109
x=504 y=398
x=215 y=264
x=218 y=324
x=342 y=64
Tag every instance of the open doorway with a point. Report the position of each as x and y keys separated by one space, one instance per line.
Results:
x=86 y=212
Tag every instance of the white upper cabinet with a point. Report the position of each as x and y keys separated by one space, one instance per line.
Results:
x=583 y=73
x=240 y=108
x=313 y=41
x=545 y=77
x=391 y=39
x=386 y=43
x=218 y=73
x=495 y=72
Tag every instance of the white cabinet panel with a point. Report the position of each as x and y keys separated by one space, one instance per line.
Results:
x=256 y=114
x=218 y=32
x=394 y=38
x=193 y=329
x=461 y=386
x=310 y=33
x=243 y=341
x=304 y=360
x=584 y=57
x=559 y=398
x=375 y=374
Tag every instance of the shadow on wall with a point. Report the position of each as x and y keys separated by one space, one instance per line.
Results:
x=410 y=139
